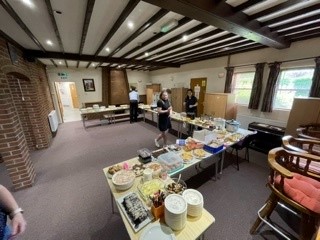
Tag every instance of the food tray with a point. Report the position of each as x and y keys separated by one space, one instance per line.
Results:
x=212 y=149
x=135 y=226
x=150 y=187
x=170 y=162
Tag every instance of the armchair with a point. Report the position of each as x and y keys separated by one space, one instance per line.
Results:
x=309 y=131
x=295 y=186
x=303 y=145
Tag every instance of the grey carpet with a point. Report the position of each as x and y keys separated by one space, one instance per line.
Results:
x=70 y=198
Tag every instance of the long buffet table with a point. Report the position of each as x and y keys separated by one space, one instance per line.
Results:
x=194 y=229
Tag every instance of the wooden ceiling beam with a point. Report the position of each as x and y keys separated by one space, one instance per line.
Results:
x=54 y=63
x=89 y=58
x=123 y=16
x=276 y=8
x=139 y=31
x=300 y=29
x=226 y=53
x=222 y=15
x=290 y=15
x=85 y=27
x=159 y=35
x=247 y=5
x=19 y=21
x=297 y=22
x=304 y=36
x=10 y=40
x=197 y=28
x=217 y=46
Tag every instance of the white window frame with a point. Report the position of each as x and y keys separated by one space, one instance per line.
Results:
x=234 y=84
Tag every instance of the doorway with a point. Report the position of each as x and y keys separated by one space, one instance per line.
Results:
x=199 y=86
x=68 y=102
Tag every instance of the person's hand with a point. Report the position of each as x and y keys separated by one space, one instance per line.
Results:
x=18 y=225
x=169 y=108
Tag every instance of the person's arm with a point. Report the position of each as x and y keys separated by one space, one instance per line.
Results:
x=9 y=204
x=160 y=110
x=194 y=105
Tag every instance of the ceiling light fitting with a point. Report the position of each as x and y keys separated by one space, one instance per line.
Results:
x=169 y=25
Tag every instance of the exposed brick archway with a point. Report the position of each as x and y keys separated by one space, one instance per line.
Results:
x=13 y=144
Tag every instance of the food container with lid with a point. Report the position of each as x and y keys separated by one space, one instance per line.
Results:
x=219 y=123
x=170 y=161
x=232 y=125
x=123 y=179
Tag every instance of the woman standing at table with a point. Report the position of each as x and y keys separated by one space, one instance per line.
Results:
x=164 y=123
x=191 y=103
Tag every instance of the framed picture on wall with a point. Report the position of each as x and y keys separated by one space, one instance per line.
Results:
x=88 y=85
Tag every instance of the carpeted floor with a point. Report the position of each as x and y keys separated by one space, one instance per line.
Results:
x=70 y=198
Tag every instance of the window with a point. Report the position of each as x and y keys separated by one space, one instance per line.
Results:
x=292 y=83
x=242 y=86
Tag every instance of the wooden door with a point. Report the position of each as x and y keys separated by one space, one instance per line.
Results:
x=177 y=98
x=74 y=95
x=149 y=96
x=202 y=83
x=56 y=84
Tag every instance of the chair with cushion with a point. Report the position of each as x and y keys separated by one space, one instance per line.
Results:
x=295 y=185
x=309 y=131
x=243 y=144
x=303 y=145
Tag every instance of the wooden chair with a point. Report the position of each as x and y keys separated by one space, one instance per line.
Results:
x=302 y=145
x=288 y=182
x=309 y=131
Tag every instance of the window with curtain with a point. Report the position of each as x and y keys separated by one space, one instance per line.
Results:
x=242 y=86
x=292 y=83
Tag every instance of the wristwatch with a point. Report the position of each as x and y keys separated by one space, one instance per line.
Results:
x=15 y=212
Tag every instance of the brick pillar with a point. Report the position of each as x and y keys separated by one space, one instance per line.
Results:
x=13 y=144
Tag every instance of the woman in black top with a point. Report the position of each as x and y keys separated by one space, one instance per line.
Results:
x=164 y=110
x=191 y=103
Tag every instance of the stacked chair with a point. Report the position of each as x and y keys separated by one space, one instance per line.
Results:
x=294 y=181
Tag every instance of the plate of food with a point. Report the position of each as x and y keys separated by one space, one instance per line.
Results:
x=176 y=186
x=155 y=167
x=113 y=169
x=199 y=153
x=135 y=211
x=186 y=156
x=138 y=169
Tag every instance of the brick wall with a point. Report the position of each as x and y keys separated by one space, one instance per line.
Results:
x=25 y=102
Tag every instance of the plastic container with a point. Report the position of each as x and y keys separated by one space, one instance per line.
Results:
x=212 y=149
x=170 y=162
x=181 y=142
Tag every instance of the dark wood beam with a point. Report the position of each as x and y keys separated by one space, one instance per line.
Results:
x=159 y=35
x=89 y=58
x=226 y=53
x=276 y=8
x=291 y=15
x=217 y=46
x=19 y=21
x=10 y=40
x=247 y=4
x=54 y=63
x=305 y=36
x=299 y=29
x=85 y=27
x=173 y=39
x=304 y=33
x=222 y=15
x=183 y=44
x=123 y=16
x=297 y=22
x=143 y=28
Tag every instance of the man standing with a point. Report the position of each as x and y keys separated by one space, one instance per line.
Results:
x=134 y=100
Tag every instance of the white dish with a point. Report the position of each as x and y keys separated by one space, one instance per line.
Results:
x=157 y=232
x=135 y=227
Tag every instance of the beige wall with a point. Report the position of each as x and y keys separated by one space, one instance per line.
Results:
x=171 y=77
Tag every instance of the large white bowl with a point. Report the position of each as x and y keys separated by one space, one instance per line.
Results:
x=123 y=179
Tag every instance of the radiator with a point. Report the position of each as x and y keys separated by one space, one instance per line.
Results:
x=245 y=120
x=53 y=120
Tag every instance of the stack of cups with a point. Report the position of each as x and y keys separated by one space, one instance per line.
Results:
x=175 y=213
x=194 y=200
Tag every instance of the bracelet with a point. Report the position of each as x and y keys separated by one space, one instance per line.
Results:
x=15 y=212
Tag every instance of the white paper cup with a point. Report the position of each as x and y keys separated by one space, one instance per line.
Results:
x=147 y=174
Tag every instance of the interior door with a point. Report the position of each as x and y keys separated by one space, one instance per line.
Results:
x=74 y=95
x=202 y=83
x=56 y=84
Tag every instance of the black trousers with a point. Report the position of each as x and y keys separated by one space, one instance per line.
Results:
x=133 y=111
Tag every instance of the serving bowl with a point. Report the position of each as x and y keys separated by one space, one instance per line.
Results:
x=175 y=186
x=123 y=179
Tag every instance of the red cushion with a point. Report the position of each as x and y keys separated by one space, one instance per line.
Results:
x=303 y=190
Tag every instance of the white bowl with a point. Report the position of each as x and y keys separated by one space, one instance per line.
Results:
x=123 y=179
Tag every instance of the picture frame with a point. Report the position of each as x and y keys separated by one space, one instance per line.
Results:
x=88 y=85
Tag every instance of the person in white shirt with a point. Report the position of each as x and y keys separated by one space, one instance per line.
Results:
x=134 y=100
